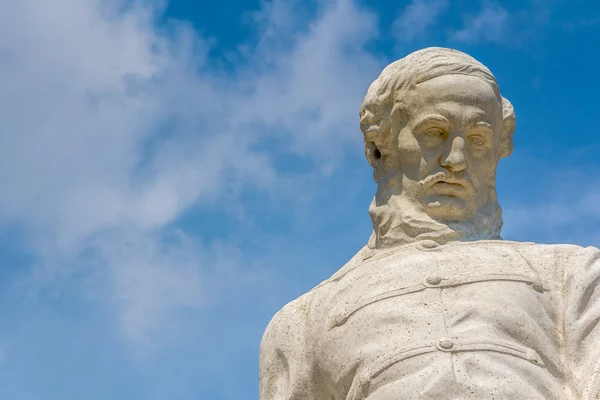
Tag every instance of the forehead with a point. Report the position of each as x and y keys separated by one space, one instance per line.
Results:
x=456 y=96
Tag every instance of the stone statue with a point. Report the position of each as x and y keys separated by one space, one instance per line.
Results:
x=437 y=305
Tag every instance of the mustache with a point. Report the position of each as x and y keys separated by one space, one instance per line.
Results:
x=444 y=177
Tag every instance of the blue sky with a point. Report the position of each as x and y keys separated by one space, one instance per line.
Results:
x=175 y=172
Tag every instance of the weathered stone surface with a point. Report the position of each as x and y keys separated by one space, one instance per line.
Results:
x=437 y=305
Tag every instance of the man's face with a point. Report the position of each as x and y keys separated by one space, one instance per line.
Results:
x=448 y=150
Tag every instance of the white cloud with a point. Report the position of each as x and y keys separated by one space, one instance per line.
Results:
x=413 y=22
x=113 y=129
x=152 y=278
x=315 y=89
x=490 y=25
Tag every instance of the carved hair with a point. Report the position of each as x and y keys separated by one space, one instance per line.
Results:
x=385 y=96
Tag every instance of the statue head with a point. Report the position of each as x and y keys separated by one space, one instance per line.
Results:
x=435 y=126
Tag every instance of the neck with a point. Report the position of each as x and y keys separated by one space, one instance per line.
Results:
x=400 y=220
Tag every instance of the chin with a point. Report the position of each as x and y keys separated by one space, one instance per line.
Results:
x=447 y=208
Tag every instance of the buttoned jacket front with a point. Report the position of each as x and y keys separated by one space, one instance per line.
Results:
x=485 y=319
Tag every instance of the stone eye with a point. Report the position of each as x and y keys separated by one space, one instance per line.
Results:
x=434 y=133
x=477 y=140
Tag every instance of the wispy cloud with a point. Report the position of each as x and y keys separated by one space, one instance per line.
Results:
x=582 y=23
x=416 y=18
x=87 y=93
x=115 y=128
x=489 y=25
x=567 y=211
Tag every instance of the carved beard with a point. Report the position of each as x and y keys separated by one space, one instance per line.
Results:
x=399 y=219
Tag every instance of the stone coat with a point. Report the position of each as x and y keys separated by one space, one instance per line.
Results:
x=488 y=319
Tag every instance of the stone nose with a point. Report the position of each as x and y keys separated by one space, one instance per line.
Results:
x=454 y=159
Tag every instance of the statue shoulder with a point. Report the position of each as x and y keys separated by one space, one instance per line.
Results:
x=286 y=339
x=555 y=252
x=296 y=315
x=290 y=318
x=286 y=355
x=557 y=260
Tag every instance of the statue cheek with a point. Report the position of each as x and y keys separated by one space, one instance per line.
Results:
x=483 y=172
x=409 y=149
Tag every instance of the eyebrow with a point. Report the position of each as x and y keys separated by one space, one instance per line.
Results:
x=431 y=119
x=488 y=128
x=483 y=124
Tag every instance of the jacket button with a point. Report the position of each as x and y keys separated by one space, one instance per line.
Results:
x=429 y=244
x=434 y=280
x=446 y=344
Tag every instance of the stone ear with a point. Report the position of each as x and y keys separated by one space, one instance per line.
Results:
x=509 y=124
x=374 y=157
x=372 y=153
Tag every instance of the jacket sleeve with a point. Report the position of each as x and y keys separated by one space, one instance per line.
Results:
x=582 y=324
x=286 y=368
